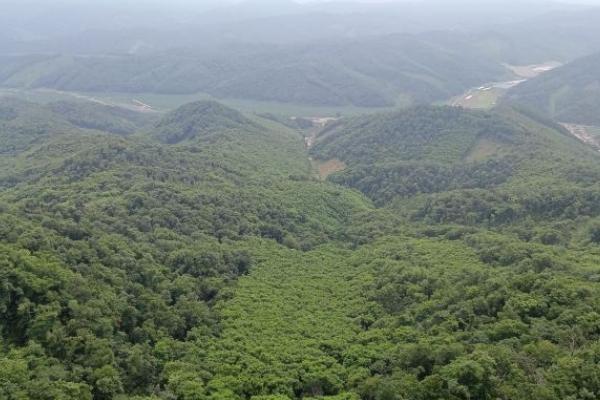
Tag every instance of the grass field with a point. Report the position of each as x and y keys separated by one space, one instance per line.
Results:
x=478 y=98
x=487 y=96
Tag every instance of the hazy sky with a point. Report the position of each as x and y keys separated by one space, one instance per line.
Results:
x=596 y=2
x=213 y=2
x=591 y=2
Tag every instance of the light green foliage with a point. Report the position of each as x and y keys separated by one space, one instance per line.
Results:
x=288 y=325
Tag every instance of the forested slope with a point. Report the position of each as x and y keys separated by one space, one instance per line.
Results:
x=464 y=166
x=568 y=94
x=199 y=258
x=480 y=316
x=333 y=73
x=114 y=250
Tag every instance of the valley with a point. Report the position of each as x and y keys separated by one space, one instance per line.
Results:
x=488 y=95
x=166 y=102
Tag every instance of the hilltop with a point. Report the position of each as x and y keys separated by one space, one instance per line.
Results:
x=198 y=121
x=453 y=165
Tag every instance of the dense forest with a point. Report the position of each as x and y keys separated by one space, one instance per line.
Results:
x=456 y=166
x=114 y=248
x=200 y=257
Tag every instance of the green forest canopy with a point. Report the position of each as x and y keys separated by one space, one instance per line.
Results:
x=198 y=257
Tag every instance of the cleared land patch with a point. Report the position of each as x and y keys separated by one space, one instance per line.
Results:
x=587 y=134
x=483 y=149
x=326 y=168
x=531 y=71
x=478 y=98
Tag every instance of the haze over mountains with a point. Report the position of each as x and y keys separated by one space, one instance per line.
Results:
x=33 y=26
x=417 y=53
x=568 y=94
x=270 y=200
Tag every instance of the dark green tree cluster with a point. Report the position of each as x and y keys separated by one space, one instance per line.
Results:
x=520 y=322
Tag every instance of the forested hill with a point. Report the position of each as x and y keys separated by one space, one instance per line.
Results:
x=199 y=257
x=463 y=166
x=198 y=121
x=568 y=94
x=114 y=249
x=102 y=117
x=24 y=124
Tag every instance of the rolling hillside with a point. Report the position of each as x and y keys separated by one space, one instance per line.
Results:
x=569 y=94
x=113 y=245
x=371 y=72
x=455 y=165
x=200 y=258
x=196 y=122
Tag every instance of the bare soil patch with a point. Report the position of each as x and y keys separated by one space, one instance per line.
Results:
x=483 y=149
x=326 y=168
